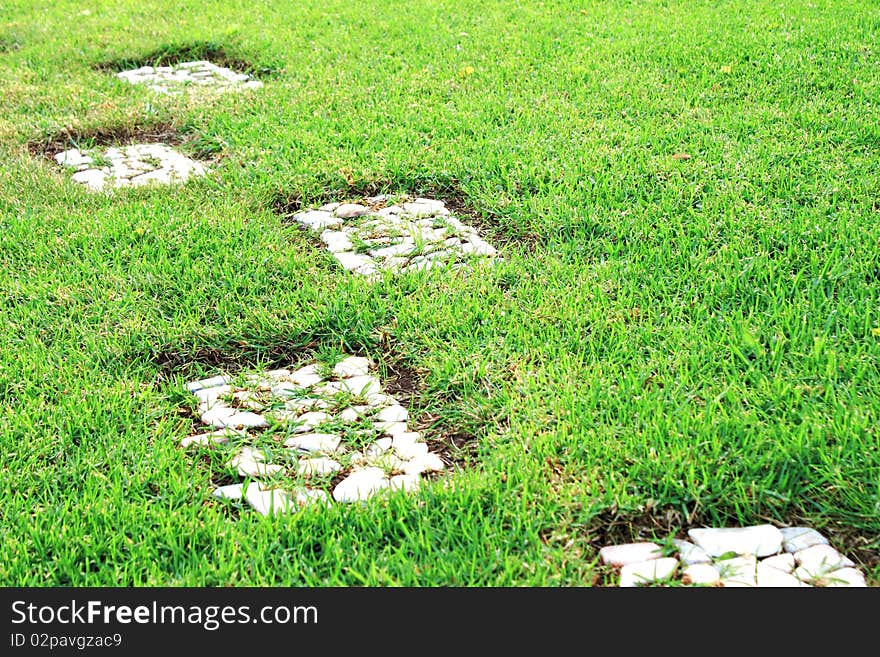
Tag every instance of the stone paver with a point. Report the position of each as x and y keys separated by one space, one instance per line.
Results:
x=736 y=557
x=195 y=75
x=410 y=236
x=356 y=446
x=136 y=165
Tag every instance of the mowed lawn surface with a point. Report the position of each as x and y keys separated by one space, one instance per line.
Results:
x=687 y=198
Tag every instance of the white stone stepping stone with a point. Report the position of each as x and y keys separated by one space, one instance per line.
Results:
x=738 y=571
x=407 y=483
x=307 y=376
x=730 y=567
x=379 y=399
x=268 y=501
x=230 y=492
x=314 y=442
x=845 y=577
x=418 y=236
x=771 y=577
x=783 y=562
x=647 y=572
x=795 y=539
x=318 y=466
x=820 y=559
x=207 y=383
x=317 y=220
x=200 y=74
x=337 y=241
x=359 y=386
x=211 y=438
x=352 y=366
x=308 y=421
x=402 y=438
x=388 y=456
x=217 y=414
x=74 y=158
x=760 y=540
x=93 y=179
x=391 y=428
x=429 y=462
x=350 y=210
x=393 y=414
x=361 y=485
x=701 y=574
x=409 y=451
x=250 y=462
x=299 y=405
x=621 y=555
x=210 y=396
x=352 y=413
x=131 y=166
x=238 y=420
x=689 y=553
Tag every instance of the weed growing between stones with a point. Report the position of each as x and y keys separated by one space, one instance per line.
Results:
x=296 y=436
x=386 y=234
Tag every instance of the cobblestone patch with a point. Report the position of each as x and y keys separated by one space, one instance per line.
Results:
x=735 y=557
x=200 y=74
x=129 y=166
x=396 y=235
x=313 y=435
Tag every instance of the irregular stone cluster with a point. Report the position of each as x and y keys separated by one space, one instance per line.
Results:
x=297 y=435
x=129 y=166
x=167 y=79
x=759 y=556
x=411 y=236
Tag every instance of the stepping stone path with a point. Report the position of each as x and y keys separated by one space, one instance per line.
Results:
x=732 y=557
x=309 y=436
x=129 y=166
x=168 y=79
x=410 y=235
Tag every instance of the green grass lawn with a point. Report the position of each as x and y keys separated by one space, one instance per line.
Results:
x=669 y=342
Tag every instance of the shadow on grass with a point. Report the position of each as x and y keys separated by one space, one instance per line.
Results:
x=197 y=145
x=175 y=53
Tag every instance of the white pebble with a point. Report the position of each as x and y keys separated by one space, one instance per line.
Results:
x=760 y=540
x=702 y=574
x=647 y=572
x=314 y=442
x=621 y=555
x=361 y=485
